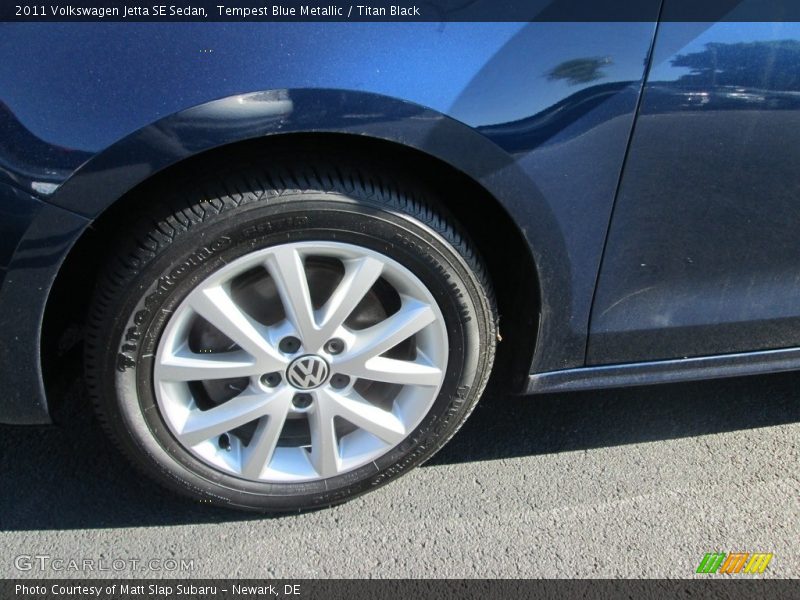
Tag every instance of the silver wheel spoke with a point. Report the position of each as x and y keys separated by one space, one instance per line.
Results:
x=360 y=275
x=380 y=423
x=198 y=367
x=287 y=270
x=206 y=424
x=217 y=307
x=412 y=317
x=259 y=451
x=391 y=370
x=324 y=446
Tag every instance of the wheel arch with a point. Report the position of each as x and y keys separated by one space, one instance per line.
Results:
x=453 y=157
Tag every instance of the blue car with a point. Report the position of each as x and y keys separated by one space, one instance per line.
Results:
x=291 y=255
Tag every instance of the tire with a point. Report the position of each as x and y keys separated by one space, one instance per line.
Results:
x=163 y=302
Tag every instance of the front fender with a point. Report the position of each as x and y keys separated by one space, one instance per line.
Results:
x=106 y=177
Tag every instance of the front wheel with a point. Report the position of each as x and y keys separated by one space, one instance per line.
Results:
x=281 y=347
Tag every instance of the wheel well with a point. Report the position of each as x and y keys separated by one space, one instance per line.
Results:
x=496 y=236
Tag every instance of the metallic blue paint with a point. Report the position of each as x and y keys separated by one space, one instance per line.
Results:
x=700 y=258
x=702 y=255
x=41 y=235
x=539 y=114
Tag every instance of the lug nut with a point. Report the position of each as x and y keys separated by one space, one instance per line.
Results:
x=289 y=345
x=302 y=400
x=339 y=381
x=334 y=346
x=271 y=379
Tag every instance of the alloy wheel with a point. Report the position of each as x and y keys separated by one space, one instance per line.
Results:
x=300 y=361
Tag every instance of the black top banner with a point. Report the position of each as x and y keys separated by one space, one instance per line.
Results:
x=401 y=10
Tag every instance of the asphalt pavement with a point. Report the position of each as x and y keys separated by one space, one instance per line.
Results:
x=638 y=482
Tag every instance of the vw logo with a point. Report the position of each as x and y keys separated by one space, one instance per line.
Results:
x=307 y=372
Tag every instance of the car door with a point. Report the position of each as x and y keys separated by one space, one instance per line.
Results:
x=703 y=253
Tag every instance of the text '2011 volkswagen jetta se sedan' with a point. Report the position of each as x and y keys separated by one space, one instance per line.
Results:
x=292 y=254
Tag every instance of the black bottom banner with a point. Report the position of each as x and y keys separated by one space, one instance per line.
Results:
x=394 y=589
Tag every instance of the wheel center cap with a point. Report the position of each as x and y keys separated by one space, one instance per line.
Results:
x=307 y=372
